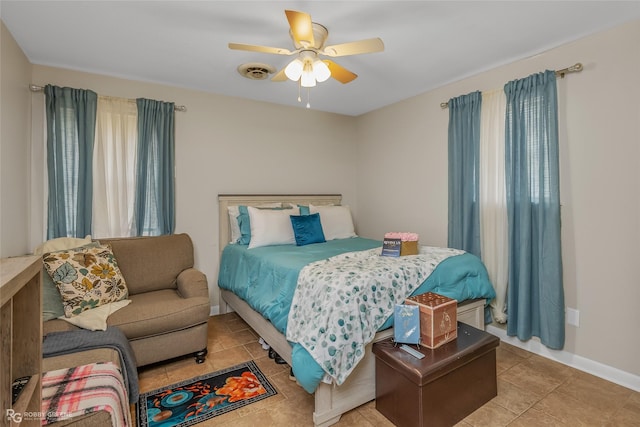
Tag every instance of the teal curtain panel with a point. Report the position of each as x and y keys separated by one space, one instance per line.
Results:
x=71 y=121
x=464 y=178
x=535 y=301
x=155 y=187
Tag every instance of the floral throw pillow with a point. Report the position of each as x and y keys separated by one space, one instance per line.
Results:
x=86 y=277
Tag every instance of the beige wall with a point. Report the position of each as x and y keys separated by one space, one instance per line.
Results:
x=15 y=113
x=227 y=145
x=600 y=181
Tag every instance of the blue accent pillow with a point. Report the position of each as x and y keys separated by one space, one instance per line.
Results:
x=245 y=225
x=307 y=229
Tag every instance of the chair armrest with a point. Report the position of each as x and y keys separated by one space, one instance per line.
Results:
x=192 y=283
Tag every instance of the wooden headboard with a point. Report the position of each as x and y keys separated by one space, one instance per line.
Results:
x=226 y=200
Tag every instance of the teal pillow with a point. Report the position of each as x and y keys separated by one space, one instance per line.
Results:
x=304 y=210
x=245 y=225
x=307 y=229
x=52 y=307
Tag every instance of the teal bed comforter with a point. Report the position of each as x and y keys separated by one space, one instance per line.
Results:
x=266 y=278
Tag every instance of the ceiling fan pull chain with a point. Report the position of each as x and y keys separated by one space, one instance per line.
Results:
x=308 y=97
x=299 y=89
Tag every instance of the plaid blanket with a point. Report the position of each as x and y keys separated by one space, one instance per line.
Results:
x=68 y=393
x=57 y=343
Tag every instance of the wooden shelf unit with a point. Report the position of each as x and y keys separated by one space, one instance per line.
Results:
x=21 y=337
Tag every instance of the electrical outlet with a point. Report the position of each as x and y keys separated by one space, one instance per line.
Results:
x=573 y=317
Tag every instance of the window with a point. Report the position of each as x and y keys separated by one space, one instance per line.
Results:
x=533 y=276
x=110 y=165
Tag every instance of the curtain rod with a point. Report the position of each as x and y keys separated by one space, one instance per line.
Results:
x=36 y=88
x=575 y=68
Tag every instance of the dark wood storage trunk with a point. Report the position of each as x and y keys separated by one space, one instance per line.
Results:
x=448 y=384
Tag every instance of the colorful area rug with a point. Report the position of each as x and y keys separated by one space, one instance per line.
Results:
x=193 y=401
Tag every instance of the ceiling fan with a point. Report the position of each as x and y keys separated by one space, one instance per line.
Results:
x=309 y=39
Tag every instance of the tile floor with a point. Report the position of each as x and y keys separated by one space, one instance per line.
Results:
x=532 y=390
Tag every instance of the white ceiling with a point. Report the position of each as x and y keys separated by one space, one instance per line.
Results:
x=184 y=43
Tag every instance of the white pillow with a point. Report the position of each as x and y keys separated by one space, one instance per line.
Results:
x=271 y=227
x=61 y=244
x=336 y=221
x=95 y=319
x=234 y=211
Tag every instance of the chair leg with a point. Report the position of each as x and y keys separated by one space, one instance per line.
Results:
x=201 y=355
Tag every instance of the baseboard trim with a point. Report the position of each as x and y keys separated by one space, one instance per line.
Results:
x=609 y=373
x=215 y=310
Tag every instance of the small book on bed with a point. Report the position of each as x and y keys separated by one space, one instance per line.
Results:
x=391 y=247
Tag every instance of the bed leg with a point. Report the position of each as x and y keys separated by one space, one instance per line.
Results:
x=328 y=422
x=326 y=412
x=223 y=307
x=201 y=355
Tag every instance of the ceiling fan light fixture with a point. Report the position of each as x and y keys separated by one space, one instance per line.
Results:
x=293 y=71
x=321 y=71
x=308 y=78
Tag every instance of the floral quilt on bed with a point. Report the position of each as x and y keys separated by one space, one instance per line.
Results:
x=340 y=302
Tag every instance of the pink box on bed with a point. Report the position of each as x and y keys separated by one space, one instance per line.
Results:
x=438 y=317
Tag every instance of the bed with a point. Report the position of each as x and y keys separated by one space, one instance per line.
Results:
x=331 y=400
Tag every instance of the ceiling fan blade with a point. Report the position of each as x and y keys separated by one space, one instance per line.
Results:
x=280 y=76
x=340 y=73
x=301 y=27
x=261 y=49
x=355 y=48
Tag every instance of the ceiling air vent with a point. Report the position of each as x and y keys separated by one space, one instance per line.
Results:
x=255 y=71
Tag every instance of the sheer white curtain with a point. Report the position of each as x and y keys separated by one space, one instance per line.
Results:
x=114 y=163
x=493 y=200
